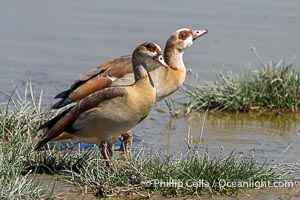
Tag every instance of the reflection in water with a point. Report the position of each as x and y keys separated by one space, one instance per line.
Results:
x=266 y=123
x=266 y=135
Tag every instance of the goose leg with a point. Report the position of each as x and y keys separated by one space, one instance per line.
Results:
x=126 y=143
x=105 y=151
x=110 y=148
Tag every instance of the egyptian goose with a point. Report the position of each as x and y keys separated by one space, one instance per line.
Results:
x=119 y=72
x=102 y=116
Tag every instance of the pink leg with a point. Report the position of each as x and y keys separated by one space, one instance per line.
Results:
x=110 y=148
x=126 y=143
x=105 y=150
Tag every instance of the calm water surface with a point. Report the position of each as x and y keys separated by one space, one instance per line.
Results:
x=54 y=41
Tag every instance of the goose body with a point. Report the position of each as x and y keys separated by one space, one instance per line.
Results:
x=102 y=116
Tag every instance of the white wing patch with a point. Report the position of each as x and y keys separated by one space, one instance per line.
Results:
x=112 y=78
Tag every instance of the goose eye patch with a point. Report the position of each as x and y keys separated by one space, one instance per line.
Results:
x=151 y=47
x=184 y=34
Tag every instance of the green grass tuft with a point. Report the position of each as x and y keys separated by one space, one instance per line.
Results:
x=190 y=174
x=19 y=119
x=275 y=87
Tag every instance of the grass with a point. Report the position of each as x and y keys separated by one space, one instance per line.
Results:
x=13 y=185
x=274 y=87
x=19 y=122
x=189 y=174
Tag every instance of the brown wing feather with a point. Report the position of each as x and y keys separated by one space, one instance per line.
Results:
x=117 y=61
x=86 y=77
x=93 y=85
x=96 y=98
x=120 y=62
x=65 y=120
x=113 y=68
x=60 y=126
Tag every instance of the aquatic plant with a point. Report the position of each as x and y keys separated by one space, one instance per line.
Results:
x=274 y=87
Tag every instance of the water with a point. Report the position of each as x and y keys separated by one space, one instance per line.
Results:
x=267 y=137
x=52 y=42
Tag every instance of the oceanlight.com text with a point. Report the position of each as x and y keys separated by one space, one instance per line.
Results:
x=201 y=183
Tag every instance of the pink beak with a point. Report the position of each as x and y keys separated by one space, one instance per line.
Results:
x=161 y=60
x=199 y=33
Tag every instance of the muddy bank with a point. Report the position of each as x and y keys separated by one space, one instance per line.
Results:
x=66 y=191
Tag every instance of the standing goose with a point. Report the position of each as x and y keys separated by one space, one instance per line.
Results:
x=102 y=116
x=119 y=72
